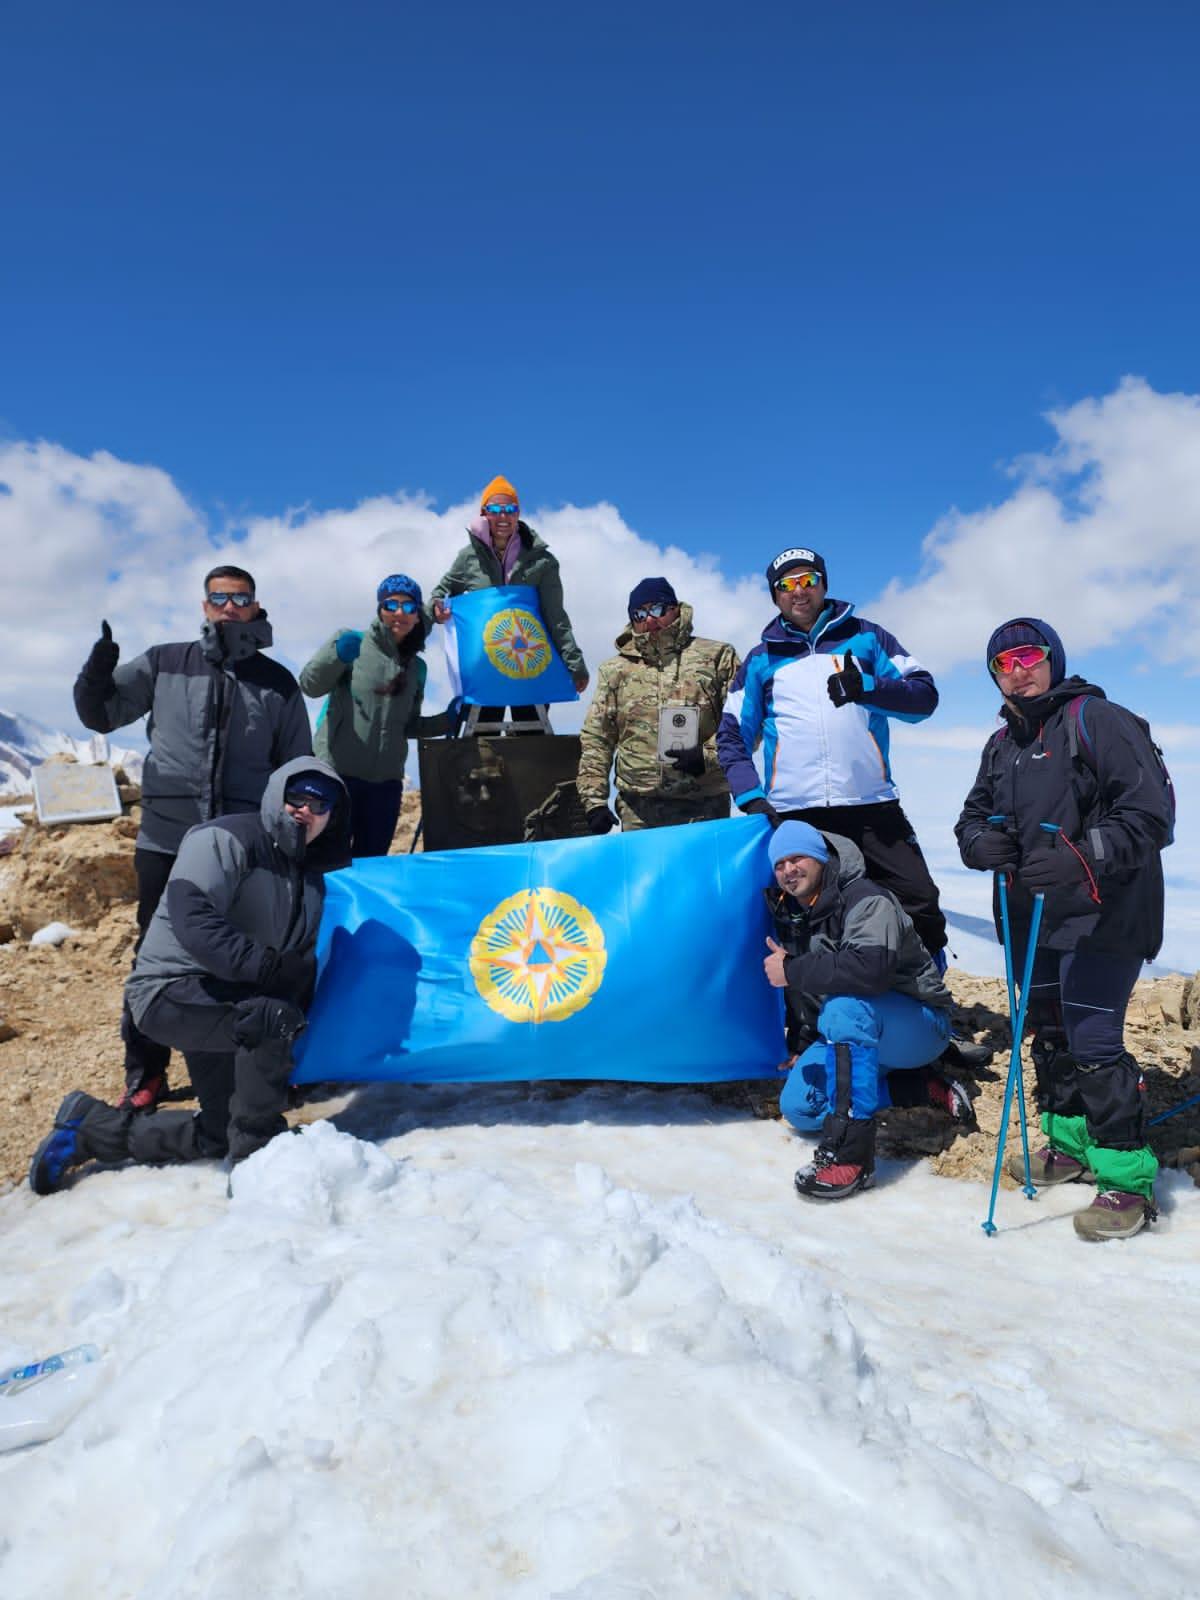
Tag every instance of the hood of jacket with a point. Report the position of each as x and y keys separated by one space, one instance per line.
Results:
x=481 y=531
x=331 y=849
x=1025 y=717
x=236 y=641
x=841 y=620
x=661 y=646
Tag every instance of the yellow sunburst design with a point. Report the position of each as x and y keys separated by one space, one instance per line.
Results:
x=515 y=642
x=538 y=957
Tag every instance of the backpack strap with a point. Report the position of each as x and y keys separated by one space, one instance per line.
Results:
x=1079 y=740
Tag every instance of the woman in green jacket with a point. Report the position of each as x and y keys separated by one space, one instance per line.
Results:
x=375 y=682
x=504 y=549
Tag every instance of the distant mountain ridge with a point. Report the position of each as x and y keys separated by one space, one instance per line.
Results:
x=25 y=744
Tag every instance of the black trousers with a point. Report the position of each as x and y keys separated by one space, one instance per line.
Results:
x=894 y=860
x=374 y=812
x=145 y=1058
x=238 y=1047
x=1077 y=1004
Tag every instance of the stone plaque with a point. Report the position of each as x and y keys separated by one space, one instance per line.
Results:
x=64 y=791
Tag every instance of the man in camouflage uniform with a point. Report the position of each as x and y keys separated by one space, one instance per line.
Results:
x=659 y=664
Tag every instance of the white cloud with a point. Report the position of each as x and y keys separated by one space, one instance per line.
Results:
x=1101 y=536
x=95 y=537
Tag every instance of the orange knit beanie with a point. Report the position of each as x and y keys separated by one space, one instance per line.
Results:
x=499 y=489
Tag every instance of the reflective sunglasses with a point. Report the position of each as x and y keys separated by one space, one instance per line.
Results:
x=407 y=606
x=299 y=798
x=656 y=608
x=791 y=581
x=1021 y=655
x=220 y=597
x=495 y=508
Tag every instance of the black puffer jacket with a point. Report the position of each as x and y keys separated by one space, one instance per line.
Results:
x=856 y=940
x=1117 y=815
x=223 y=716
x=243 y=891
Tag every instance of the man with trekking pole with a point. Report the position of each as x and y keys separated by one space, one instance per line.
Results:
x=1072 y=803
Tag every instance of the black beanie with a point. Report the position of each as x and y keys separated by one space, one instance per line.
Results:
x=1029 y=630
x=799 y=557
x=650 y=590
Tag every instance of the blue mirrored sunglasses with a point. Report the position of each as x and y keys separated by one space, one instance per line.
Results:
x=656 y=608
x=407 y=606
x=220 y=597
x=495 y=509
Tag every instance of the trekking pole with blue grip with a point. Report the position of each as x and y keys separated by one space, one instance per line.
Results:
x=1014 y=1065
x=1002 y=892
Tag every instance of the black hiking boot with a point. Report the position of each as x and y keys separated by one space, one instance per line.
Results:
x=63 y=1147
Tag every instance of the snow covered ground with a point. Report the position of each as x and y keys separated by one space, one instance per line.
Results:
x=494 y=1342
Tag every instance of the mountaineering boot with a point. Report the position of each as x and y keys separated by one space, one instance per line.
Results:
x=63 y=1147
x=1113 y=1214
x=950 y=1096
x=1047 y=1167
x=966 y=1053
x=831 y=1179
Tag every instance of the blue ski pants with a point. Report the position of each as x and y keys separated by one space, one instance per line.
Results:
x=888 y=1033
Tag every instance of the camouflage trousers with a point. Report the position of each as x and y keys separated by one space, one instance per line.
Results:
x=657 y=811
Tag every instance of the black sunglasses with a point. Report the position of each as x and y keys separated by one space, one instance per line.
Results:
x=299 y=798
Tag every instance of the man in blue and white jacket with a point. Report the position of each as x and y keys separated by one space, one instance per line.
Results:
x=817 y=692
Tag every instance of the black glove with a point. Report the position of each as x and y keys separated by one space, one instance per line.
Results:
x=993 y=850
x=762 y=807
x=104 y=657
x=1056 y=869
x=690 y=761
x=846 y=687
x=600 y=819
x=286 y=973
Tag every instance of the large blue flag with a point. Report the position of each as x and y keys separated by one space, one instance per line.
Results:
x=636 y=956
x=500 y=650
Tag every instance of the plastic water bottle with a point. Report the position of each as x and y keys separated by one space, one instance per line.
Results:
x=37 y=1401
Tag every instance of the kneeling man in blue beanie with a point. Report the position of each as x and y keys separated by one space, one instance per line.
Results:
x=864 y=999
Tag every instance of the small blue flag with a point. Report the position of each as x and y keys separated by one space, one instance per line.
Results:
x=637 y=956
x=500 y=651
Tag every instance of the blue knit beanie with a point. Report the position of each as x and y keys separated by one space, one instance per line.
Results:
x=797 y=839
x=398 y=583
x=651 y=590
x=1029 y=630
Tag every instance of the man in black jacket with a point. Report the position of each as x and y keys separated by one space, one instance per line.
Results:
x=1071 y=802
x=224 y=974
x=222 y=717
x=864 y=1000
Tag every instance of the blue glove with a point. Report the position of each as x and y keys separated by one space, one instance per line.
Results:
x=454 y=715
x=348 y=646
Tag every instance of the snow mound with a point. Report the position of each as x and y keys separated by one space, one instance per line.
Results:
x=564 y=1358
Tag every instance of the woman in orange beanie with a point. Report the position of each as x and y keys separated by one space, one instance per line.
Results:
x=503 y=549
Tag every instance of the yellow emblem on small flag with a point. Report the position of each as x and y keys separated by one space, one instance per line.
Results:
x=515 y=643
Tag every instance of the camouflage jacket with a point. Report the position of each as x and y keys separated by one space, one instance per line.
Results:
x=653 y=670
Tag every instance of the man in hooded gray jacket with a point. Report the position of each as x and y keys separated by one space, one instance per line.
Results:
x=224 y=974
x=222 y=717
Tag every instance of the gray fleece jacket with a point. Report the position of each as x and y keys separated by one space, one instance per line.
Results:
x=243 y=891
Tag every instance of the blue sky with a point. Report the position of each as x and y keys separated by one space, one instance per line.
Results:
x=742 y=271
x=857 y=275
